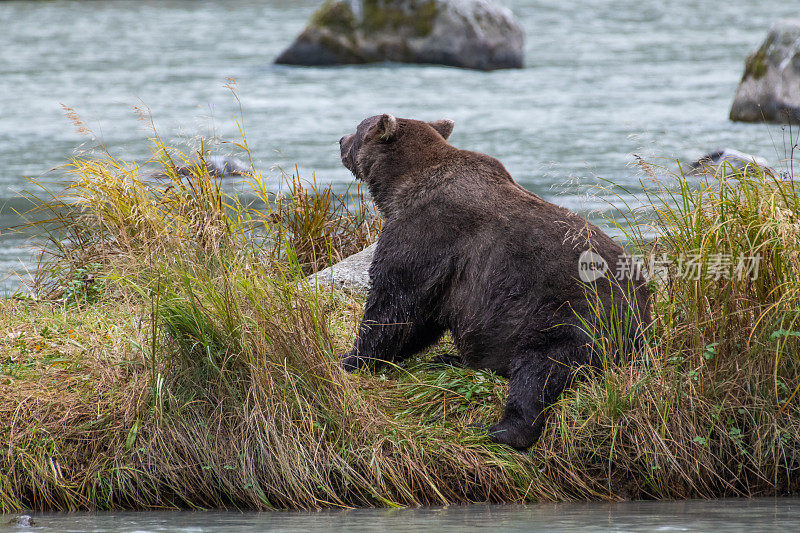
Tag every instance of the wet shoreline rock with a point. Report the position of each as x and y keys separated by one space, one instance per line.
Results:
x=219 y=166
x=225 y=165
x=770 y=86
x=23 y=520
x=727 y=160
x=476 y=34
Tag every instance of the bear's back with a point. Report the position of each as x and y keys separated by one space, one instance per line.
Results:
x=514 y=253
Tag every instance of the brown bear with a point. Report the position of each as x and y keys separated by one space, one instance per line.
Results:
x=517 y=280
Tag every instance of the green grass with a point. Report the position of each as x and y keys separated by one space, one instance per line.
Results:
x=174 y=358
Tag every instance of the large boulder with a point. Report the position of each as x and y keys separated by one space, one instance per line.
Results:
x=770 y=87
x=478 y=34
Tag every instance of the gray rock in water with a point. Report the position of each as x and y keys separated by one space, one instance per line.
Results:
x=770 y=87
x=220 y=166
x=726 y=159
x=478 y=34
x=225 y=165
x=350 y=274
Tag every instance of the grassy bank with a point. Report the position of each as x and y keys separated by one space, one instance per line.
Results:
x=174 y=357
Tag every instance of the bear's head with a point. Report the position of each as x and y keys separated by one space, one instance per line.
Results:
x=384 y=148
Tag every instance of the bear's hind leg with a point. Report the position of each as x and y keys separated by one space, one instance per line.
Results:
x=536 y=379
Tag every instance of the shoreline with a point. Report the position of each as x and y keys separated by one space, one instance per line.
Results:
x=83 y=436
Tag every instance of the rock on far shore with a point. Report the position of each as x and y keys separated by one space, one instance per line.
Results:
x=351 y=274
x=770 y=87
x=477 y=34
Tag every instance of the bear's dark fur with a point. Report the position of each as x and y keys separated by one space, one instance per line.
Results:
x=465 y=248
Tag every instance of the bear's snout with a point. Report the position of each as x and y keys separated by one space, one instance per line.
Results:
x=346 y=149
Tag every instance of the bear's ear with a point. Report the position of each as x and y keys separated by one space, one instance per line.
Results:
x=387 y=127
x=443 y=126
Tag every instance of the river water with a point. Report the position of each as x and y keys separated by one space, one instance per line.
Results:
x=604 y=79
x=721 y=516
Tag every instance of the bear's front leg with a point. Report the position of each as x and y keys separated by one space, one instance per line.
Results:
x=535 y=383
x=393 y=327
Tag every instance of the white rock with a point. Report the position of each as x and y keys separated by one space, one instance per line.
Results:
x=351 y=274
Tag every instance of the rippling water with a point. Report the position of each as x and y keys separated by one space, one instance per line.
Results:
x=720 y=516
x=604 y=79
